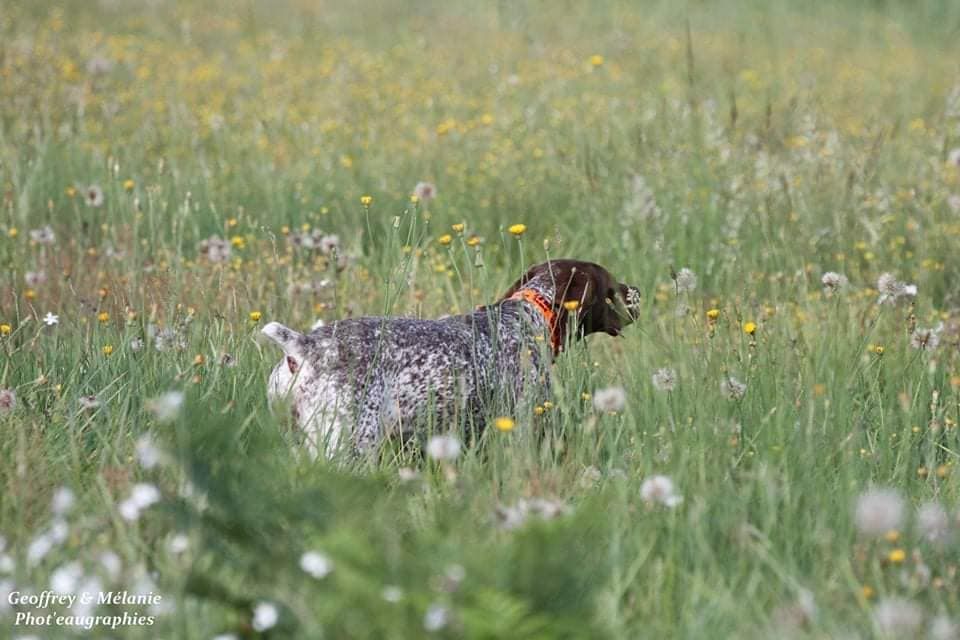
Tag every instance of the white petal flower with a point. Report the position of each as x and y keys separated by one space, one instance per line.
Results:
x=660 y=489
x=51 y=319
x=316 y=564
x=610 y=400
x=443 y=448
x=265 y=616
x=878 y=511
x=436 y=617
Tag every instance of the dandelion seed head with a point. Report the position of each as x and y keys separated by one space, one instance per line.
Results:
x=265 y=616
x=8 y=401
x=93 y=196
x=833 y=282
x=659 y=489
x=167 y=406
x=878 y=511
x=733 y=388
x=898 y=617
x=933 y=523
x=443 y=448
x=610 y=400
x=685 y=280
x=436 y=618
x=316 y=564
x=63 y=500
x=665 y=379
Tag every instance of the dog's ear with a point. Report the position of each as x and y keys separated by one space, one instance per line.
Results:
x=292 y=343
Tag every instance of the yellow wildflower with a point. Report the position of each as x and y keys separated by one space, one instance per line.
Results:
x=255 y=316
x=867 y=592
x=897 y=556
x=5 y=329
x=596 y=60
x=129 y=184
x=30 y=294
x=713 y=314
x=571 y=305
x=504 y=423
x=473 y=241
x=107 y=350
x=517 y=229
x=458 y=228
x=750 y=328
x=445 y=239
x=199 y=359
x=12 y=232
x=366 y=200
x=70 y=191
x=103 y=316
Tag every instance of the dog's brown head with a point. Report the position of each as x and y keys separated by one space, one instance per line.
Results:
x=603 y=304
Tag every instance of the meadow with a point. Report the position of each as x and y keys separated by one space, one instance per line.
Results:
x=770 y=451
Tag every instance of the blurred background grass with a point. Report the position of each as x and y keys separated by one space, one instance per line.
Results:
x=760 y=144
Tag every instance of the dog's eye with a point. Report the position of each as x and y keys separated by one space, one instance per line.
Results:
x=292 y=364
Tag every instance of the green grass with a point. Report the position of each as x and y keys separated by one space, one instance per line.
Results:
x=760 y=144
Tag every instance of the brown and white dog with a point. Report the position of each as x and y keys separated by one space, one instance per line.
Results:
x=356 y=381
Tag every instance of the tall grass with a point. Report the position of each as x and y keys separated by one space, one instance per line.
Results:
x=760 y=145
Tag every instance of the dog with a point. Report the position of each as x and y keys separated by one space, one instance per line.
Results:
x=355 y=382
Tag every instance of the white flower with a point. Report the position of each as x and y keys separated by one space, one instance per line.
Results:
x=43 y=236
x=878 y=511
x=660 y=489
x=178 y=543
x=265 y=616
x=407 y=474
x=39 y=548
x=733 y=388
x=925 y=339
x=443 y=448
x=8 y=401
x=35 y=278
x=933 y=523
x=610 y=400
x=111 y=563
x=833 y=282
x=665 y=379
x=891 y=289
x=685 y=280
x=141 y=497
x=65 y=579
x=316 y=564
x=329 y=244
x=51 y=319
x=148 y=453
x=93 y=196
x=436 y=618
x=943 y=627
x=392 y=594
x=63 y=500
x=425 y=192
x=898 y=617
x=954 y=203
x=216 y=249
x=167 y=407
x=89 y=402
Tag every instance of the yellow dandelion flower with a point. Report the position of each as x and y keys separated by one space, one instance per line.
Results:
x=103 y=292
x=238 y=242
x=103 y=317
x=750 y=328
x=129 y=184
x=445 y=239
x=70 y=191
x=504 y=423
x=12 y=232
x=517 y=229
x=29 y=294
x=538 y=410
x=366 y=200
x=486 y=119
x=867 y=592
x=585 y=396
x=892 y=536
x=5 y=329
x=285 y=230
x=473 y=241
x=713 y=314
x=108 y=350
x=896 y=556
x=199 y=359
x=571 y=305
x=458 y=228
x=596 y=60
x=255 y=316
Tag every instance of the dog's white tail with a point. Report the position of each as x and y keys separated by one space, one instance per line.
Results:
x=289 y=340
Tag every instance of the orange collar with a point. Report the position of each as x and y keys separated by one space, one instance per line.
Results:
x=543 y=306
